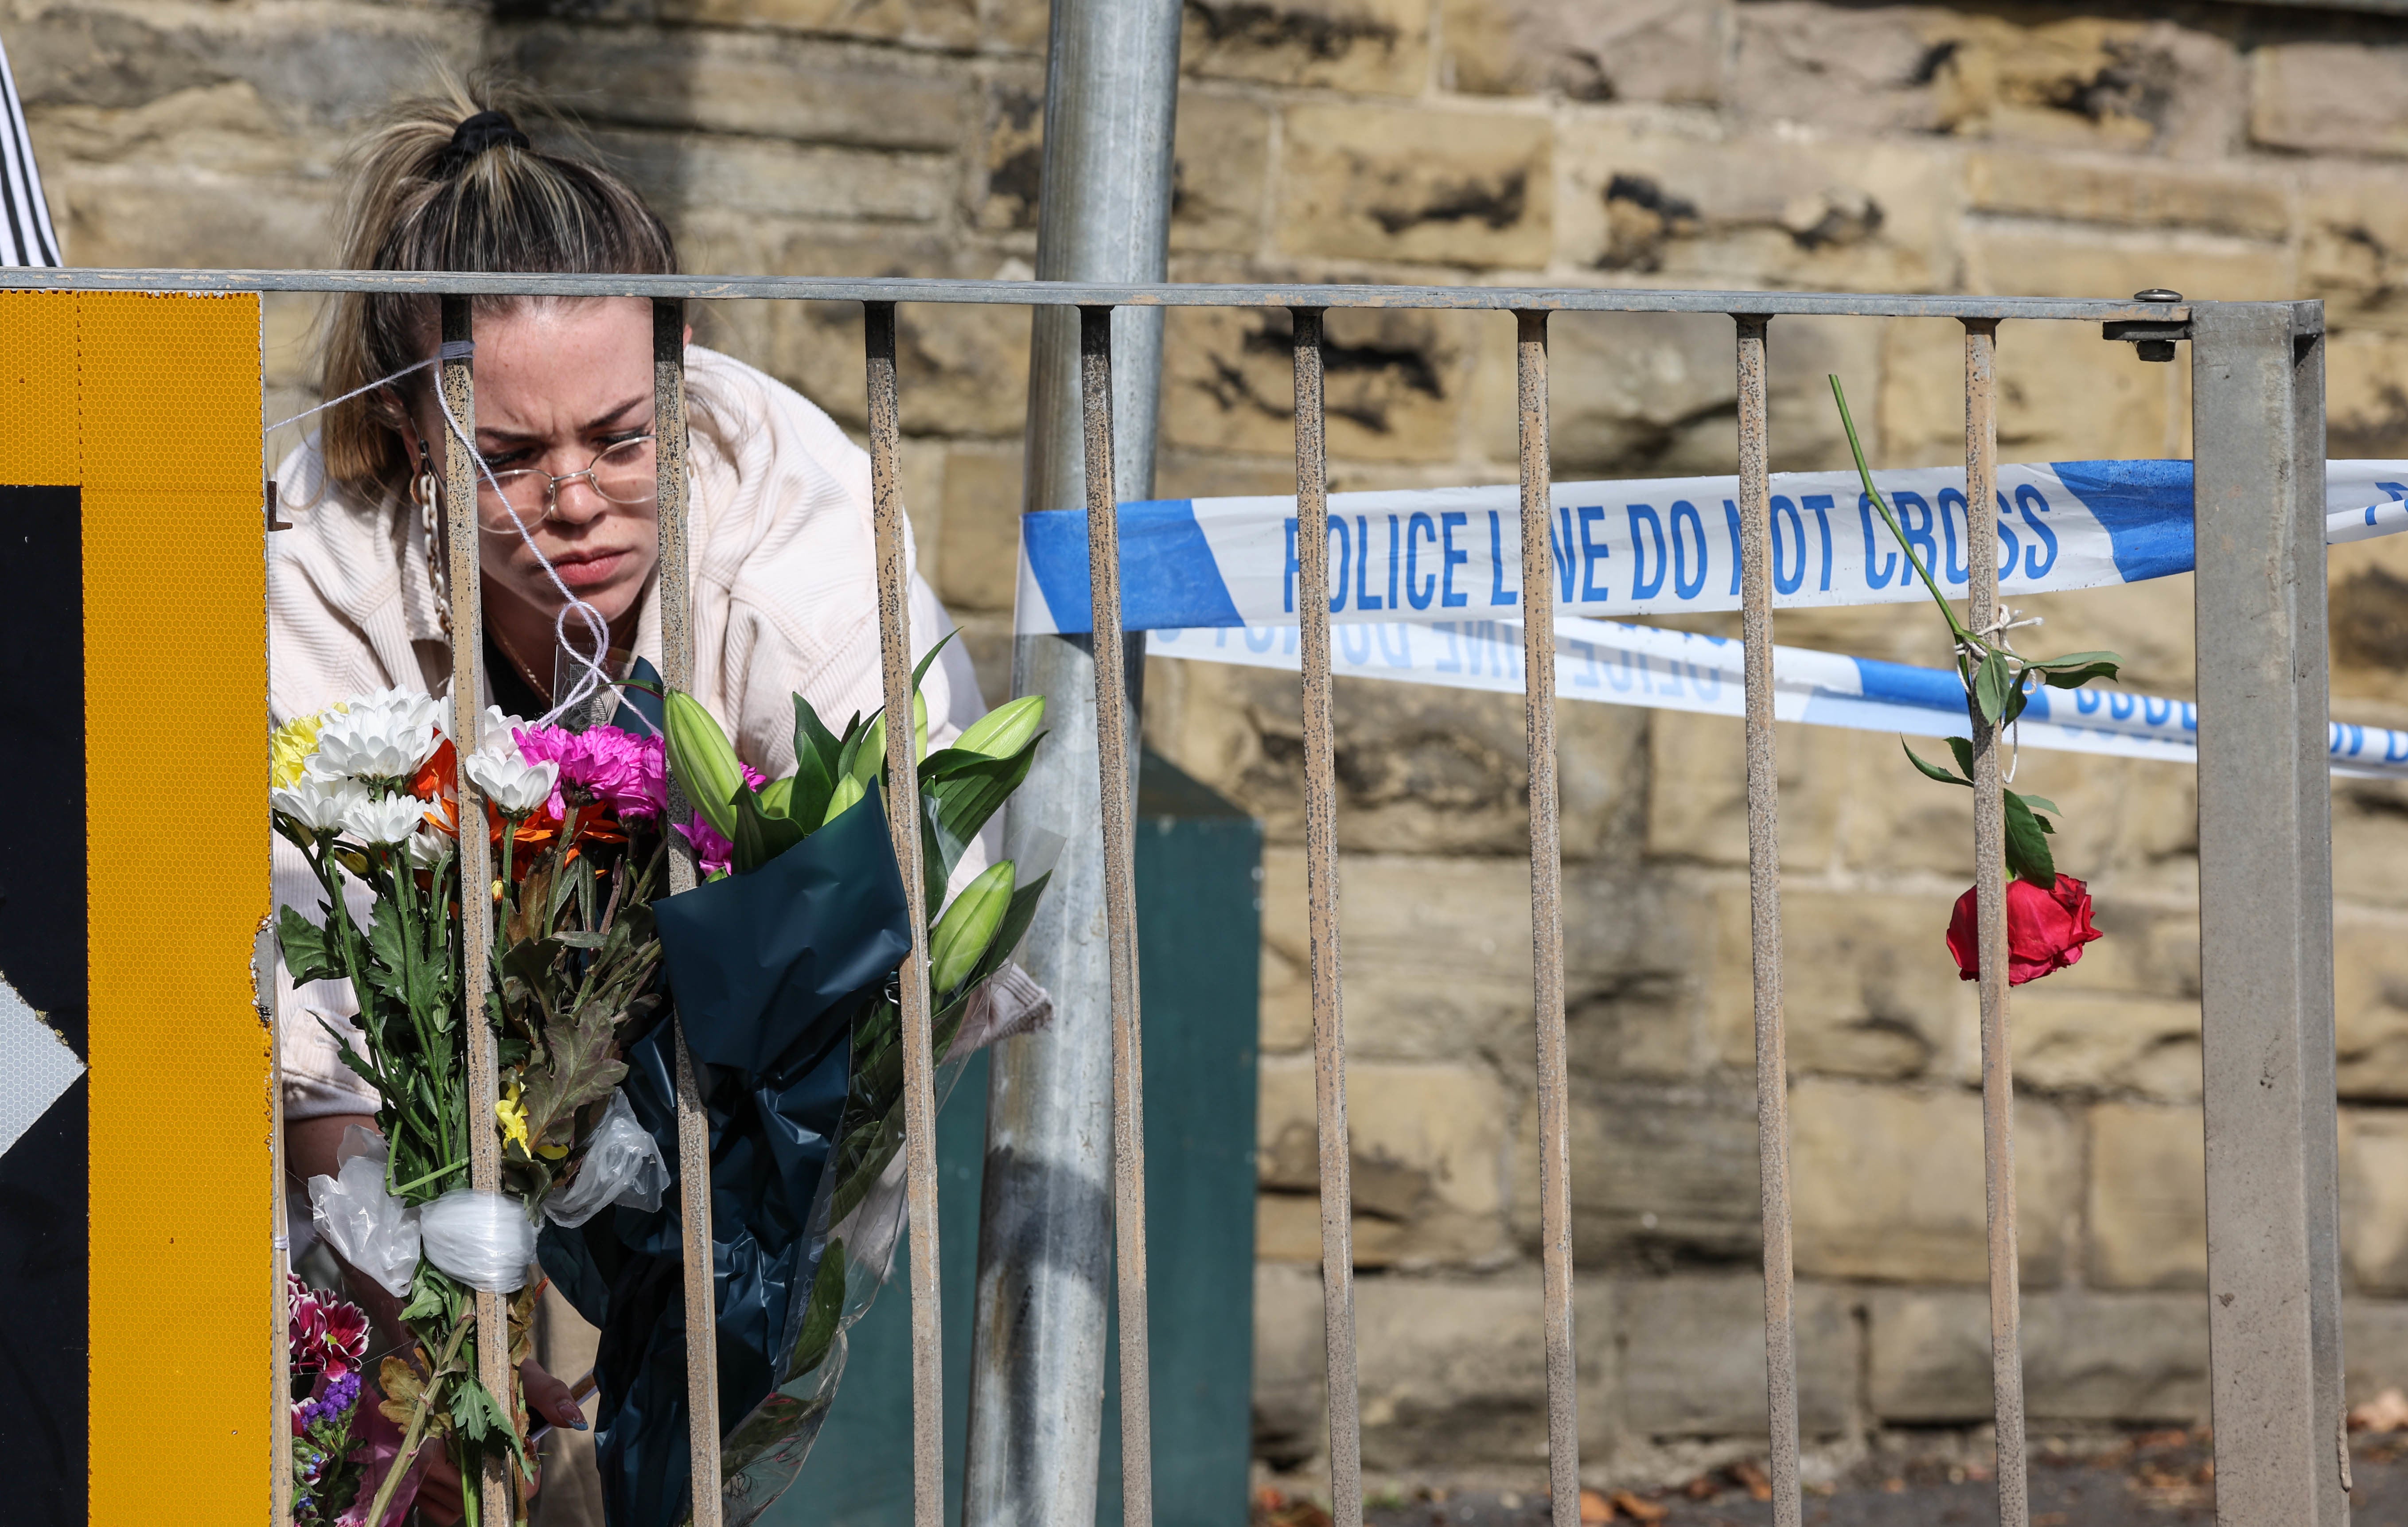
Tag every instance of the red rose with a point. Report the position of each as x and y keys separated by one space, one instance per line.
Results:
x=2046 y=927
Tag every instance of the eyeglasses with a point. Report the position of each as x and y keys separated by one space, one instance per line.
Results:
x=624 y=473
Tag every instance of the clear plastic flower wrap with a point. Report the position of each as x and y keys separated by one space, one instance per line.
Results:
x=366 y=1225
x=484 y=1240
x=622 y=1165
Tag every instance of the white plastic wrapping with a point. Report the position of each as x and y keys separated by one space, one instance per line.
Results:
x=622 y=1165
x=368 y=1226
x=482 y=1239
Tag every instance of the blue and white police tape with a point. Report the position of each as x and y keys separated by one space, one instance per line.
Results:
x=1646 y=546
x=1676 y=670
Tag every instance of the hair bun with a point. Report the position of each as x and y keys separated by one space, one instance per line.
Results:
x=473 y=137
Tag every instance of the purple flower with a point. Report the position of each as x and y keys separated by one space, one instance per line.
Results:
x=627 y=772
x=713 y=853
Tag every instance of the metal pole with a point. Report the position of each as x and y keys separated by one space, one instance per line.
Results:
x=692 y=1124
x=1115 y=773
x=2265 y=908
x=903 y=806
x=456 y=377
x=1764 y=921
x=1037 y=1374
x=1547 y=923
x=1336 y=1169
x=1990 y=894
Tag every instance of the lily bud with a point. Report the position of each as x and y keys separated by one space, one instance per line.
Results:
x=962 y=934
x=847 y=795
x=1004 y=729
x=704 y=760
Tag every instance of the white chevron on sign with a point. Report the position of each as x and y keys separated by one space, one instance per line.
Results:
x=35 y=1067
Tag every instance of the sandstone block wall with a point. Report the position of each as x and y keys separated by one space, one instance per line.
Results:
x=2223 y=149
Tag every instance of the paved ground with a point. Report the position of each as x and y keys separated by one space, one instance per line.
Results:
x=2160 y=1479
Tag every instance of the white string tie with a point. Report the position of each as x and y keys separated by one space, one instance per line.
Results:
x=356 y=392
x=1996 y=630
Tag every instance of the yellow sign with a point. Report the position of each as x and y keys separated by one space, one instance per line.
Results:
x=133 y=627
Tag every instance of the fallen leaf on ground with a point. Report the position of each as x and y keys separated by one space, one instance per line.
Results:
x=1594 y=1507
x=1637 y=1511
x=1752 y=1479
x=2386 y=1412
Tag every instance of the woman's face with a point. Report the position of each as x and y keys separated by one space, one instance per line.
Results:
x=558 y=383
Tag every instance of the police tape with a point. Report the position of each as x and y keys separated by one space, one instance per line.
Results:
x=1645 y=547
x=1677 y=670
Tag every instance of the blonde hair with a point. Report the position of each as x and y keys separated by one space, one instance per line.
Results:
x=449 y=181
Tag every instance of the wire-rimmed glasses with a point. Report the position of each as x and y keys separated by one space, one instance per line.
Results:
x=625 y=474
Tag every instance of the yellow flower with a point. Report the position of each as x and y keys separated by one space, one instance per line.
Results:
x=512 y=1113
x=291 y=745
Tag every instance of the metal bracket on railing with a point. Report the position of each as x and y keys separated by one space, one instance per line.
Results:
x=2152 y=339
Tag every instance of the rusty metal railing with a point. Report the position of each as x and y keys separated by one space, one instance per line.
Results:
x=2264 y=841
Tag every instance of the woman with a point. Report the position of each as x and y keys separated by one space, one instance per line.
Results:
x=781 y=570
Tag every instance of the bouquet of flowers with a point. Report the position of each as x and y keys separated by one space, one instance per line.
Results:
x=329 y=1341
x=782 y=965
x=367 y=793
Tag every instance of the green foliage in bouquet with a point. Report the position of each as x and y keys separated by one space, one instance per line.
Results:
x=961 y=788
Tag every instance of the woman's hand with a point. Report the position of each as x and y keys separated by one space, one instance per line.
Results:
x=438 y=1489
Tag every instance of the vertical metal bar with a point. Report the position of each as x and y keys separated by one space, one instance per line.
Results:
x=694 y=1124
x=1037 y=1363
x=903 y=809
x=1321 y=891
x=1764 y=922
x=264 y=957
x=462 y=570
x=1990 y=904
x=2265 y=884
x=1547 y=922
x=1119 y=913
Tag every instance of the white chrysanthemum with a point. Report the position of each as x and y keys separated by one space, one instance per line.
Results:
x=385 y=736
x=318 y=801
x=497 y=732
x=429 y=848
x=515 y=786
x=389 y=819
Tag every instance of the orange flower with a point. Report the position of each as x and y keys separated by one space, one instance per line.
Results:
x=437 y=782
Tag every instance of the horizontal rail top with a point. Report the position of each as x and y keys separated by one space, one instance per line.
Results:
x=1094 y=294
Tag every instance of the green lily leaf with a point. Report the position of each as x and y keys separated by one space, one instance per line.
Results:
x=816 y=751
x=758 y=836
x=820 y=1315
x=959 y=791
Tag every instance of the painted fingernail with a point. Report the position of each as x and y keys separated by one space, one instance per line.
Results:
x=578 y=1424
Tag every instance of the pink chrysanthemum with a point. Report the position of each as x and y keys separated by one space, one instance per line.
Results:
x=329 y=1334
x=627 y=772
x=712 y=852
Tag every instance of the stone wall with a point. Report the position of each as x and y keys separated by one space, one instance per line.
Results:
x=2225 y=151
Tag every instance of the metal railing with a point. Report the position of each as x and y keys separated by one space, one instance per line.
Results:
x=2281 y=1452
